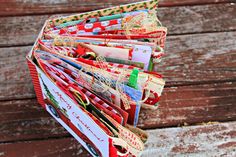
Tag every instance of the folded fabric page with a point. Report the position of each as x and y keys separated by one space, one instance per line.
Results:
x=101 y=62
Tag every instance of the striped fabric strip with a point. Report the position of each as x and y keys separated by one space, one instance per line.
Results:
x=122 y=66
x=98 y=101
x=68 y=51
x=59 y=71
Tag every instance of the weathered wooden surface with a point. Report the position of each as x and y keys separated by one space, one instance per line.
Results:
x=190 y=59
x=209 y=140
x=199 y=58
x=25 y=119
x=199 y=66
x=15 y=81
x=171 y=3
x=21 y=7
x=23 y=30
x=192 y=104
x=64 y=147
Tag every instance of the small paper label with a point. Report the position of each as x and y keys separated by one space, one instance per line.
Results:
x=142 y=54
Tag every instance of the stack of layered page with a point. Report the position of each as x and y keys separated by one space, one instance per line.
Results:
x=98 y=65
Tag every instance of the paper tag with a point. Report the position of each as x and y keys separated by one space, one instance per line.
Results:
x=111 y=52
x=142 y=54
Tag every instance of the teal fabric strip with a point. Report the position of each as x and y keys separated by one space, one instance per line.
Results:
x=104 y=18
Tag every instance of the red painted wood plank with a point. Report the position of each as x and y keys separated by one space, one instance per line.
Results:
x=207 y=140
x=171 y=3
x=23 y=30
x=190 y=59
x=25 y=119
x=208 y=57
x=20 y=7
x=64 y=147
x=191 y=105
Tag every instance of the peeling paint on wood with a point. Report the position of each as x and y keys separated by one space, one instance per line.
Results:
x=192 y=104
x=25 y=119
x=199 y=67
x=189 y=59
x=29 y=7
x=64 y=147
x=207 y=140
x=23 y=30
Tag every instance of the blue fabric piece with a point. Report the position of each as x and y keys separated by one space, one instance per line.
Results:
x=135 y=94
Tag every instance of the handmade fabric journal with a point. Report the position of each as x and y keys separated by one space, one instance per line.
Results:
x=93 y=73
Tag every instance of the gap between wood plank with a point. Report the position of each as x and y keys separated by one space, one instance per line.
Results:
x=214 y=103
x=198 y=83
x=179 y=20
x=189 y=60
x=162 y=3
x=37 y=139
x=150 y=130
x=169 y=35
x=166 y=86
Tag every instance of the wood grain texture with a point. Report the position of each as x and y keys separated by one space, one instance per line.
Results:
x=190 y=59
x=172 y=3
x=13 y=59
x=209 y=140
x=191 y=105
x=15 y=80
x=65 y=147
x=208 y=57
x=21 y=7
x=199 y=19
x=199 y=66
x=23 y=30
x=25 y=119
